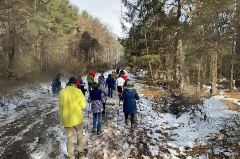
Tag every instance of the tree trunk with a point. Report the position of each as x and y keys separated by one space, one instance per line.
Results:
x=214 y=63
x=150 y=67
x=146 y=41
x=232 y=64
x=11 y=53
x=200 y=75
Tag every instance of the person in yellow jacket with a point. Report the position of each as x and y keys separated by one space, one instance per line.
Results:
x=71 y=103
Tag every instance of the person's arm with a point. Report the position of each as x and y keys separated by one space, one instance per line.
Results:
x=80 y=99
x=103 y=98
x=89 y=99
x=136 y=95
x=122 y=97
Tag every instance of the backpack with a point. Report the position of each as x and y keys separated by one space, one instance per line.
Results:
x=78 y=83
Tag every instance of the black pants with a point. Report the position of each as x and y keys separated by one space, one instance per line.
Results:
x=89 y=86
x=132 y=118
x=104 y=108
x=119 y=88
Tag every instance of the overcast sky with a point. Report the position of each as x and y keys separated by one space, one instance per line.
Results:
x=108 y=11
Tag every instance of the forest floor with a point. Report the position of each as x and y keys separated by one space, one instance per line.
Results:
x=166 y=126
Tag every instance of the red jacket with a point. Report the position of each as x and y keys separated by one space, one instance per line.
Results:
x=93 y=75
x=124 y=77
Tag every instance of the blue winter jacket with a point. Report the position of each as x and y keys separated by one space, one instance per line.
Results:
x=56 y=84
x=129 y=98
x=110 y=82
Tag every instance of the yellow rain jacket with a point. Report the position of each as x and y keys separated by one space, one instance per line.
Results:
x=71 y=103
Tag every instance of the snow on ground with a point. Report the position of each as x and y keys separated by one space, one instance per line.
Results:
x=156 y=135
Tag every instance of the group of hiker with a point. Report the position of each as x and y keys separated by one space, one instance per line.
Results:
x=72 y=101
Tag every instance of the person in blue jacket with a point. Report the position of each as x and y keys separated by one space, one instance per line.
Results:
x=56 y=84
x=129 y=97
x=110 y=82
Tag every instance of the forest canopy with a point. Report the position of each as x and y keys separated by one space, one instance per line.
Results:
x=41 y=36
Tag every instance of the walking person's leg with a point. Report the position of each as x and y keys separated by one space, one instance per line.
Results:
x=94 y=122
x=108 y=91
x=132 y=122
x=80 y=140
x=70 y=147
x=99 y=122
x=104 y=107
x=111 y=91
x=126 y=119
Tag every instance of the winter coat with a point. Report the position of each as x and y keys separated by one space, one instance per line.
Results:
x=90 y=79
x=104 y=90
x=102 y=80
x=129 y=98
x=124 y=77
x=117 y=70
x=56 y=84
x=120 y=81
x=93 y=75
x=114 y=76
x=110 y=82
x=97 y=98
x=71 y=103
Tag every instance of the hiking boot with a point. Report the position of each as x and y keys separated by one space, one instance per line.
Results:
x=94 y=130
x=83 y=154
x=132 y=127
x=98 y=133
x=126 y=121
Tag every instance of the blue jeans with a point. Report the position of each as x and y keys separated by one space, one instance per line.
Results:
x=99 y=125
x=110 y=91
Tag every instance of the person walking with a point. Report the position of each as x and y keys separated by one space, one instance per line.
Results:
x=122 y=72
x=120 y=82
x=97 y=99
x=124 y=77
x=56 y=84
x=110 y=83
x=129 y=97
x=101 y=79
x=103 y=88
x=71 y=103
x=90 y=81
x=117 y=70
x=114 y=76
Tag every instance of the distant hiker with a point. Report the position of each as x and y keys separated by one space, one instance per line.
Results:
x=102 y=76
x=90 y=81
x=97 y=99
x=110 y=83
x=56 y=84
x=117 y=70
x=124 y=77
x=71 y=103
x=122 y=72
x=114 y=76
x=80 y=84
x=93 y=75
x=103 y=88
x=119 y=82
x=101 y=79
x=129 y=97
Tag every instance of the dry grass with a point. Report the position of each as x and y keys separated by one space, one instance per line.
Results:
x=231 y=105
x=152 y=92
x=232 y=95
